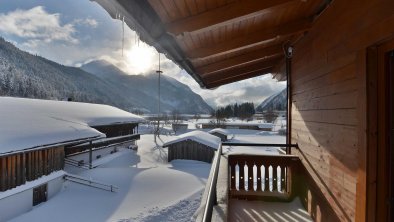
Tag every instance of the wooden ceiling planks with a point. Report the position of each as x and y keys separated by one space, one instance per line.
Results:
x=223 y=40
x=234 y=78
x=259 y=54
x=245 y=40
x=234 y=11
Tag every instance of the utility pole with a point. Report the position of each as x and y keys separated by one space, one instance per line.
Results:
x=158 y=101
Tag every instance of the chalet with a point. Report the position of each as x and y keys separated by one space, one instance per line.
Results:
x=195 y=145
x=337 y=58
x=33 y=137
x=221 y=133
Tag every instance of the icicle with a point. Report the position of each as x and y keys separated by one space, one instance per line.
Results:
x=123 y=35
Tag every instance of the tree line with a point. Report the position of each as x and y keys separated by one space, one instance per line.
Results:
x=243 y=111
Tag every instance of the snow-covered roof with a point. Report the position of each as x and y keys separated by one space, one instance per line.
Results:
x=29 y=123
x=220 y=130
x=197 y=136
x=260 y=125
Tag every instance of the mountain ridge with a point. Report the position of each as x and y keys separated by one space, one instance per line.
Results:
x=276 y=101
x=30 y=76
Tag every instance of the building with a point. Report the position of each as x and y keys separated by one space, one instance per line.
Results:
x=221 y=133
x=33 y=137
x=337 y=58
x=195 y=145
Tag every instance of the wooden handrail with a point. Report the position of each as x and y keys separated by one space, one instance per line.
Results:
x=211 y=199
x=288 y=146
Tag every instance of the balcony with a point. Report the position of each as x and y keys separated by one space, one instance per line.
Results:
x=261 y=187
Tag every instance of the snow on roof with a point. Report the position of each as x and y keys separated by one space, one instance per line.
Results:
x=260 y=125
x=197 y=136
x=220 y=130
x=29 y=123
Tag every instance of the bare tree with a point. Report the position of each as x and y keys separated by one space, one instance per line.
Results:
x=197 y=117
x=175 y=116
x=270 y=116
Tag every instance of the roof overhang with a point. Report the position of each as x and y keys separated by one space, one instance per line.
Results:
x=219 y=42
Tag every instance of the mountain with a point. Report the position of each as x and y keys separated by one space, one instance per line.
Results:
x=142 y=90
x=25 y=75
x=275 y=102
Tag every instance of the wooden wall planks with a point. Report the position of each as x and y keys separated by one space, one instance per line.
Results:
x=16 y=169
x=329 y=102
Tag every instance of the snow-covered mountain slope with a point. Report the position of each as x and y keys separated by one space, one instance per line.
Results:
x=274 y=102
x=142 y=89
x=25 y=75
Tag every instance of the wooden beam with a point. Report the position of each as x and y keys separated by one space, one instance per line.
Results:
x=259 y=54
x=237 y=10
x=251 y=38
x=236 y=78
x=239 y=70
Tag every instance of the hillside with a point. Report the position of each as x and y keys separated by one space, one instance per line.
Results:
x=275 y=102
x=142 y=89
x=25 y=75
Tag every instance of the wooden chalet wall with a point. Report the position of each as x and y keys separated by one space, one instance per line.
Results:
x=16 y=169
x=117 y=129
x=329 y=101
x=190 y=150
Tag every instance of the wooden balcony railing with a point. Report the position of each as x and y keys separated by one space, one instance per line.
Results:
x=240 y=189
x=261 y=177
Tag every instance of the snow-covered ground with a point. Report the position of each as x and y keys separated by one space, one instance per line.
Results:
x=150 y=189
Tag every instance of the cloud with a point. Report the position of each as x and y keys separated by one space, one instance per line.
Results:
x=44 y=33
x=36 y=25
x=250 y=90
x=86 y=22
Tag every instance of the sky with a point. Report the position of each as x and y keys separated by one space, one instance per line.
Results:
x=75 y=32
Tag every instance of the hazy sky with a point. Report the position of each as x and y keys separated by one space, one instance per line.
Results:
x=73 y=32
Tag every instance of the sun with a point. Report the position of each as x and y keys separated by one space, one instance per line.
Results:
x=139 y=59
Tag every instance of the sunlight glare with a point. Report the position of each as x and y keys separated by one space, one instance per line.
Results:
x=139 y=59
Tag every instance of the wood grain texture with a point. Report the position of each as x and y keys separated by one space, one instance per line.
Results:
x=329 y=100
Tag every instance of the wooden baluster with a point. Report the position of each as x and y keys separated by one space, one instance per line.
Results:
x=274 y=178
x=250 y=176
x=241 y=176
x=282 y=178
x=258 y=188
x=267 y=178
x=232 y=176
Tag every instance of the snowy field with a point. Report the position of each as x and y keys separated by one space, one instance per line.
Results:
x=150 y=189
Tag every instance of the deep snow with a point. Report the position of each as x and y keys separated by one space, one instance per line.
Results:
x=150 y=189
x=28 y=123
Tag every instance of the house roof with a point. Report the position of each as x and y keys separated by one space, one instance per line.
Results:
x=220 y=130
x=31 y=123
x=219 y=42
x=197 y=136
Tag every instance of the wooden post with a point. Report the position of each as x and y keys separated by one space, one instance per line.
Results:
x=90 y=154
x=241 y=175
x=274 y=177
x=267 y=178
x=250 y=176
x=258 y=179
